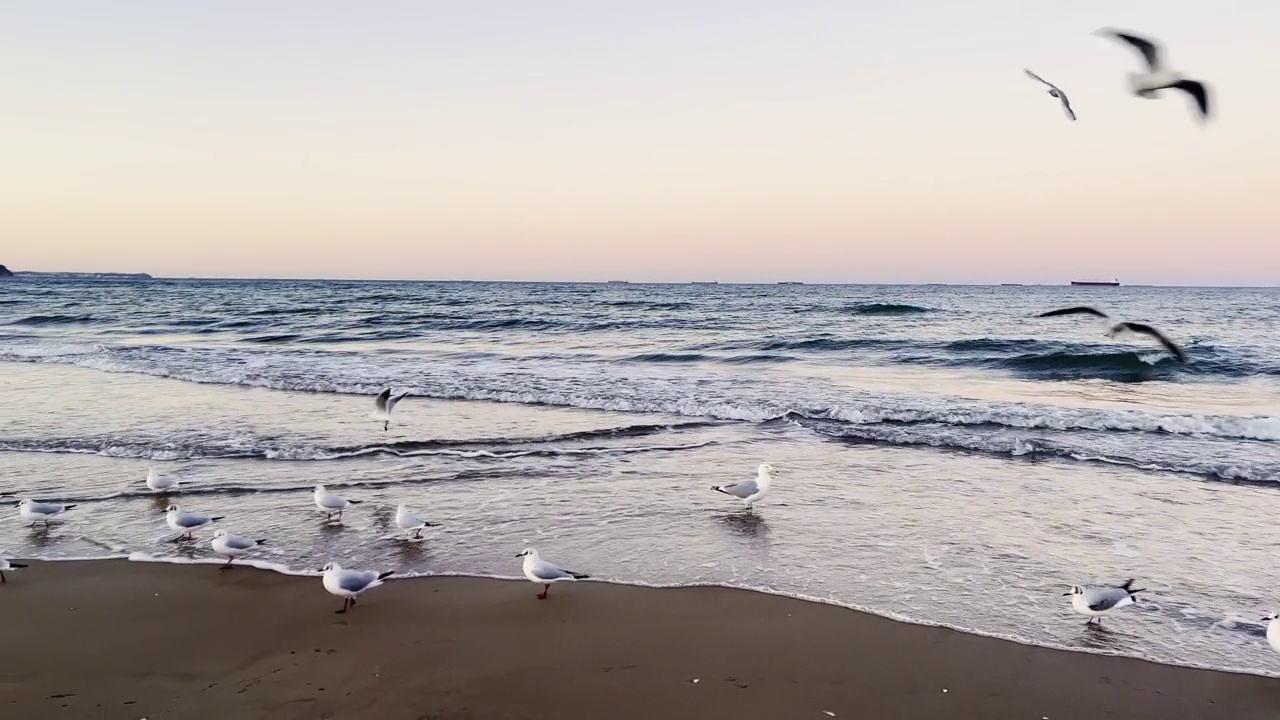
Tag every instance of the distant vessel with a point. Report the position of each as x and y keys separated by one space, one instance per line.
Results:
x=704 y=282
x=1097 y=283
x=790 y=282
x=1011 y=284
x=619 y=282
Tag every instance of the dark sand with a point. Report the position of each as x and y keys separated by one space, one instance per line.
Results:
x=114 y=639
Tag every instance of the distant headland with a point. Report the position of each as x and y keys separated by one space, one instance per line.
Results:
x=7 y=273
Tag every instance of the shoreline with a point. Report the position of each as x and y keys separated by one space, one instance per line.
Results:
x=129 y=639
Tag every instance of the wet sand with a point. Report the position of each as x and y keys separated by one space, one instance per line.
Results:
x=115 y=639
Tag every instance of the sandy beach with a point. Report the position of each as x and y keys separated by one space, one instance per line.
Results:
x=115 y=639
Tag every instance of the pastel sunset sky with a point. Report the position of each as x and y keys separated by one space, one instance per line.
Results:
x=659 y=140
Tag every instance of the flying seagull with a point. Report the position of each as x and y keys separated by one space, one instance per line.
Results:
x=330 y=503
x=544 y=573
x=1055 y=91
x=40 y=512
x=750 y=491
x=347 y=584
x=385 y=403
x=232 y=546
x=183 y=522
x=1147 y=85
x=1123 y=327
x=1094 y=601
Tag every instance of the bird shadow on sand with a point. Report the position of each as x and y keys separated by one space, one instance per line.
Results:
x=744 y=523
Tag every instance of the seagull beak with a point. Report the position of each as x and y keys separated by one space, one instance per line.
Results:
x=1065 y=594
x=520 y=555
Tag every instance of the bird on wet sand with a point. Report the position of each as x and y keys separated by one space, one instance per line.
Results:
x=752 y=491
x=544 y=573
x=348 y=584
x=1097 y=600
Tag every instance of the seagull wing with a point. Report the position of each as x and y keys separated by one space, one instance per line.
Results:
x=1150 y=51
x=1198 y=91
x=1066 y=105
x=544 y=570
x=391 y=401
x=381 y=400
x=1079 y=310
x=1144 y=329
x=356 y=580
x=1100 y=599
x=1034 y=76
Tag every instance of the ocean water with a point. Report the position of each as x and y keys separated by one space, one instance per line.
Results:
x=943 y=456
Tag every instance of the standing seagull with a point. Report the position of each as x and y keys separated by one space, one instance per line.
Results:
x=157 y=482
x=1273 y=631
x=40 y=512
x=347 y=584
x=384 y=404
x=232 y=546
x=544 y=573
x=407 y=519
x=183 y=522
x=1123 y=327
x=330 y=503
x=1054 y=91
x=750 y=491
x=6 y=566
x=1094 y=601
x=1157 y=78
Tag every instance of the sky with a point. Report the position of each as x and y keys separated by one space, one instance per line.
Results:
x=654 y=140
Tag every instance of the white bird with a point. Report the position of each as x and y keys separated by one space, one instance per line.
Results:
x=232 y=546
x=40 y=512
x=1146 y=85
x=6 y=565
x=1119 y=328
x=750 y=491
x=347 y=584
x=408 y=520
x=331 y=504
x=1054 y=91
x=384 y=404
x=1273 y=630
x=183 y=522
x=157 y=482
x=1096 y=600
x=544 y=573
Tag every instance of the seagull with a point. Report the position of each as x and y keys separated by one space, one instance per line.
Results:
x=232 y=546
x=157 y=482
x=186 y=523
x=1273 y=630
x=1123 y=327
x=1096 y=600
x=385 y=403
x=1157 y=78
x=1054 y=91
x=330 y=503
x=6 y=566
x=40 y=512
x=347 y=584
x=407 y=520
x=544 y=573
x=750 y=491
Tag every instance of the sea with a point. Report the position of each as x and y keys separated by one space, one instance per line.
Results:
x=943 y=455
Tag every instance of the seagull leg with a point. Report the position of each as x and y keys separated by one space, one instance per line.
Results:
x=385 y=424
x=545 y=589
x=2 y=580
x=418 y=533
x=228 y=565
x=345 y=602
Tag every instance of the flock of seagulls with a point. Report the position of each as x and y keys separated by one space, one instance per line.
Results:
x=1091 y=601
x=1146 y=84
x=1123 y=327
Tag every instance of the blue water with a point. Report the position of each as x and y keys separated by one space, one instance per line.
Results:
x=945 y=456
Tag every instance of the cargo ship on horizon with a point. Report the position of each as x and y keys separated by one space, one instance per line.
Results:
x=1097 y=283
